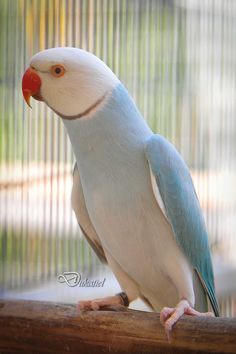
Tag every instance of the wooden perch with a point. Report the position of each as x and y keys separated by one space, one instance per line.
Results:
x=42 y=327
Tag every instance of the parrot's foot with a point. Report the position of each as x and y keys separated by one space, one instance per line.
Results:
x=169 y=316
x=113 y=303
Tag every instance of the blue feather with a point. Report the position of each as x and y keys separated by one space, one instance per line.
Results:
x=182 y=209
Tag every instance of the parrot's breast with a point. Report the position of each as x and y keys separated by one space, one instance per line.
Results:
x=116 y=182
x=133 y=229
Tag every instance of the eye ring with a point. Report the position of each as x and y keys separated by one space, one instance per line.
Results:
x=57 y=70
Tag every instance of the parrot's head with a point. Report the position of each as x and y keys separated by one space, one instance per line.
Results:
x=71 y=81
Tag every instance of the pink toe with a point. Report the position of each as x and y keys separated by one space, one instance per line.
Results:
x=165 y=313
x=95 y=306
x=83 y=305
x=168 y=329
x=192 y=312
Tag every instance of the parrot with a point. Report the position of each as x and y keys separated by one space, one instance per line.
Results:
x=132 y=194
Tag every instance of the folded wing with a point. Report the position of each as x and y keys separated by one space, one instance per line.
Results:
x=179 y=202
x=79 y=207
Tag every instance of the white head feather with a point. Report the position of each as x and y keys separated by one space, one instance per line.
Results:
x=86 y=80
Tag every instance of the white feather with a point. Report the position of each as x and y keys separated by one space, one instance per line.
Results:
x=86 y=80
x=157 y=193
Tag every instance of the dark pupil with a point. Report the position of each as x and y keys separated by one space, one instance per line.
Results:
x=58 y=70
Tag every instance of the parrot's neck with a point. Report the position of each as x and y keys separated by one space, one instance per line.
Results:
x=117 y=123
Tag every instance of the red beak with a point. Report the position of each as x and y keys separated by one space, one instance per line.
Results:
x=31 y=84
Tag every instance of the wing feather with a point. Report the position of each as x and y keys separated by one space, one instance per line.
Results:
x=182 y=209
x=87 y=228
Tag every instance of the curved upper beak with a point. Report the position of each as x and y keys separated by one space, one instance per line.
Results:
x=31 y=84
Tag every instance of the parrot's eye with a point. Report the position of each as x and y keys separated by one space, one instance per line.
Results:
x=57 y=70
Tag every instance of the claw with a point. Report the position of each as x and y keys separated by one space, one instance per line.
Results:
x=169 y=316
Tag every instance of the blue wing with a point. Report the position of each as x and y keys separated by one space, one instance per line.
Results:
x=182 y=209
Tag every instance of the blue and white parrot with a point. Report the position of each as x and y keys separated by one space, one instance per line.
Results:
x=132 y=192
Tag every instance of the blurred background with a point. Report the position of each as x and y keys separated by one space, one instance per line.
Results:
x=178 y=60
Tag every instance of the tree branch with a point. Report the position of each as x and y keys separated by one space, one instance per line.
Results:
x=42 y=327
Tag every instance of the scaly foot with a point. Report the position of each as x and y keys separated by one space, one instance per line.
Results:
x=118 y=303
x=169 y=316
